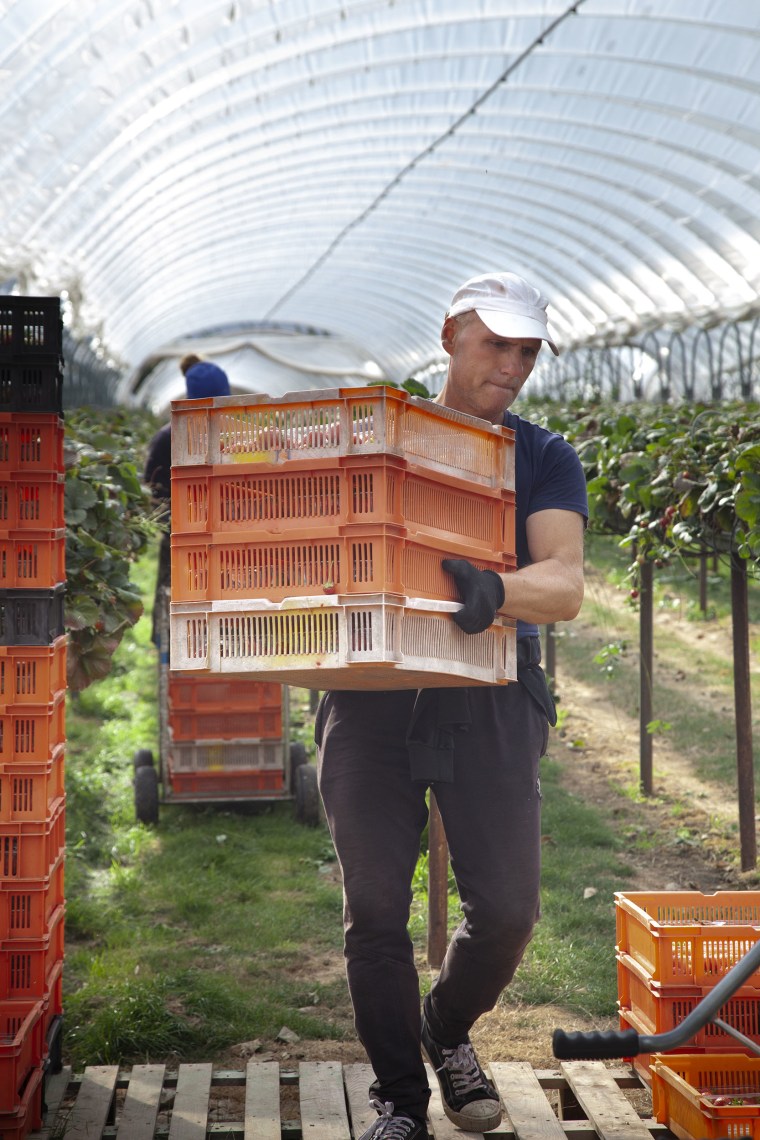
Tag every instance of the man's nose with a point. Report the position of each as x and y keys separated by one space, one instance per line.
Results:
x=513 y=363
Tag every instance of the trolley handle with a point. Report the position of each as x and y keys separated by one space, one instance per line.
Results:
x=595 y=1045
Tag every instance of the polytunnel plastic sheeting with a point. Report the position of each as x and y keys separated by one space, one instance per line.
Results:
x=345 y=164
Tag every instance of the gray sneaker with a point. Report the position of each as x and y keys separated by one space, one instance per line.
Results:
x=392 y=1126
x=469 y=1098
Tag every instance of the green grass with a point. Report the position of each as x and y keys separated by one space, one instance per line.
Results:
x=705 y=733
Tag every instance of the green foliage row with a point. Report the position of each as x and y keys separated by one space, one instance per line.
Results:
x=110 y=520
x=674 y=480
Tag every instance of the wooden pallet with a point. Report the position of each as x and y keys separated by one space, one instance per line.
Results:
x=330 y=1101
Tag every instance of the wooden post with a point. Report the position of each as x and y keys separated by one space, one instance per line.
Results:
x=743 y=712
x=438 y=893
x=703 y=582
x=646 y=661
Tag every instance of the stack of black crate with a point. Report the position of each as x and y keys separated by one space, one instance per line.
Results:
x=32 y=705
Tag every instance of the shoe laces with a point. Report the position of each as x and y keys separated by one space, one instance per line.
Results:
x=388 y=1126
x=462 y=1064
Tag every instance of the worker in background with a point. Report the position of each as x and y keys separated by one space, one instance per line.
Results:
x=202 y=379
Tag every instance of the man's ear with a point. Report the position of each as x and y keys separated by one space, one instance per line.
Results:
x=448 y=332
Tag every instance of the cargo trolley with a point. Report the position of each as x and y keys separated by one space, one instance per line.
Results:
x=222 y=741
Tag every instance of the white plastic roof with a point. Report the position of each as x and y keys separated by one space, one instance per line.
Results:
x=181 y=165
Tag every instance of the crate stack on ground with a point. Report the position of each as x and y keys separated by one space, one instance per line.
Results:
x=32 y=704
x=308 y=533
x=672 y=948
x=227 y=738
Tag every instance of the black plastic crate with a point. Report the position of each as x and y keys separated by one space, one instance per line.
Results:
x=30 y=326
x=33 y=385
x=31 y=617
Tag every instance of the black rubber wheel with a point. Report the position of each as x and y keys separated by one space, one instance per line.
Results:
x=306 y=795
x=142 y=758
x=297 y=757
x=146 y=794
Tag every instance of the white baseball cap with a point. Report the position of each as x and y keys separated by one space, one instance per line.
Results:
x=507 y=304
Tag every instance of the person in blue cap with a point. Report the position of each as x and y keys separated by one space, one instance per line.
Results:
x=202 y=379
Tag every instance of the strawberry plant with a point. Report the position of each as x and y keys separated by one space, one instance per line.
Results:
x=109 y=522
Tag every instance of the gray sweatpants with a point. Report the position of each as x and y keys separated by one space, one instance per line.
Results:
x=376 y=814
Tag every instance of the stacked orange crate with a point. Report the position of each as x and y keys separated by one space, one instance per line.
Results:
x=226 y=737
x=672 y=948
x=308 y=534
x=32 y=703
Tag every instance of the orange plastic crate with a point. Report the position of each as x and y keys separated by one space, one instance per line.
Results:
x=29 y=790
x=660 y=1008
x=233 y=784
x=22 y=1049
x=27 y=907
x=377 y=490
x=29 y=850
x=230 y=724
x=686 y=937
x=32 y=732
x=354 y=560
x=32 y=559
x=31 y=502
x=218 y=694
x=302 y=427
x=31 y=442
x=25 y=964
x=226 y=757
x=28 y=1115
x=682 y=1086
x=378 y=641
x=32 y=674
x=642 y=1062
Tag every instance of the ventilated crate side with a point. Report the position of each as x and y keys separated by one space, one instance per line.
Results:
x=232 y=785
x=31 y=617
x=31 y=386
x=34 y=560
x=372 y=643
x=25 y=964
x=686 y=937
x=304 y=428
x=29 y=850
x=361 y=561
x=32 y=674
x=221 y=694
x=225 y=724
x=642 y=1062
x=31 y=444
x=663 y=1007
x=27 y=906
x=29 y=789
x=30 y=326
x=33 y=732
x=22 y=1049
x=227 y=756
x=31 y=503
x=682 y=1087
x=379 y=491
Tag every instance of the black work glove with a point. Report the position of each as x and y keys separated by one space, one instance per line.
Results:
x=482 y=592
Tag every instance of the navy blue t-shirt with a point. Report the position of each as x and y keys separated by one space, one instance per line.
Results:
x=548 y=476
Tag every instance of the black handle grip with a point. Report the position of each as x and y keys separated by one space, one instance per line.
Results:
x=595 y=1046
